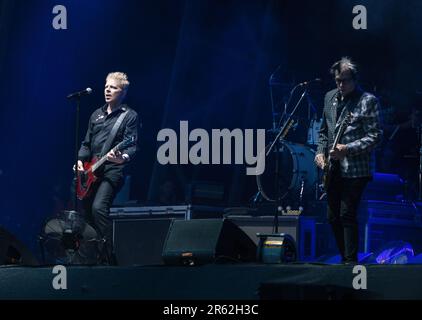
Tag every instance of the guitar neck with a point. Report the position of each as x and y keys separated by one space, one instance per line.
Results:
x=337 y=138
x=99 y=163
x=103 y=159
x=340 y=132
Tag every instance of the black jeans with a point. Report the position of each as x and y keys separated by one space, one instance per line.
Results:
x=343 y=198
x=97 y=209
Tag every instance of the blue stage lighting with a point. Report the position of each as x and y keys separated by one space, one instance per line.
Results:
x=396 y=252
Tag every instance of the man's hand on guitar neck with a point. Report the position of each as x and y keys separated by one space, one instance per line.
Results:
x=320 y=160
x=339 y=152
x=117 y=157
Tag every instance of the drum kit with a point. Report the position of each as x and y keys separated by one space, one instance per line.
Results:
x=291 y=177
x=298 y=175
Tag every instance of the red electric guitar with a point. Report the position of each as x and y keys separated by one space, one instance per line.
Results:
x=86 y=179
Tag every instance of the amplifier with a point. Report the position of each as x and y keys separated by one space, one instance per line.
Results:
x=386 y=221
x=186 y=212
x=139 y=233
x=140 y=241
x=378 y=232
x=406 y=212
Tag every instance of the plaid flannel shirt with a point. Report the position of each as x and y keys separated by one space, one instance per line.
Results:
x=361 y=136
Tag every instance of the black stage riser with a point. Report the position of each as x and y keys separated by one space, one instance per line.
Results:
x=213 y=282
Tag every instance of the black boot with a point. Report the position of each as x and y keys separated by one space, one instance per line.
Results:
x=107 y=256
x=338 y=231
x=351 y=243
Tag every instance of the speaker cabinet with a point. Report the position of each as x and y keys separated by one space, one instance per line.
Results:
x=13 y=251
x=139 y=241
x=379 y=232
x=200 y=241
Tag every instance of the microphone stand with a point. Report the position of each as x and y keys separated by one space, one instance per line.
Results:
x=272 y=104
x=311 y=107
x=420 y=163
x=75 y=196
x=271 y=82
x=277 y=142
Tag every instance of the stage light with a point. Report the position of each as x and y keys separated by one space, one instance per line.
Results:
x=276 y=248
x=396 y=252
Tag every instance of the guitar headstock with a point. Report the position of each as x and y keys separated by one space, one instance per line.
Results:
x=344 y=123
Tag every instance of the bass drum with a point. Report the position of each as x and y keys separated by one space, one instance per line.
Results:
x=297 y=171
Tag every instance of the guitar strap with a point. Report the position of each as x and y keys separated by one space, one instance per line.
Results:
x=347 y=107
x=110 y=139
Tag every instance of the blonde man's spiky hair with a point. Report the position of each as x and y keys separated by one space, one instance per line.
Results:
x=121 y=78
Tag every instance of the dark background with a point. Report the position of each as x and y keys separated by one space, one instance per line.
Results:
x=208 y=62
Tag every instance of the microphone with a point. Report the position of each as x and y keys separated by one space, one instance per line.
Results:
x=79 y=93
x=308 y=82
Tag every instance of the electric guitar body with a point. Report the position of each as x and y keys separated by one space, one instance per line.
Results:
x=87 y=178
x=331 y=164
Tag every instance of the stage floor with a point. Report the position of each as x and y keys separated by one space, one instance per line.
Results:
x=213 y=282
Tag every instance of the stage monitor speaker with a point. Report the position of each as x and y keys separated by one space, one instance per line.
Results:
x=14 y=252
x=191 y=242
x=139 y=241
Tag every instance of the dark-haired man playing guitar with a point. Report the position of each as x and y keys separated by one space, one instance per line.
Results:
x=110 y=176
x=352 y=160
